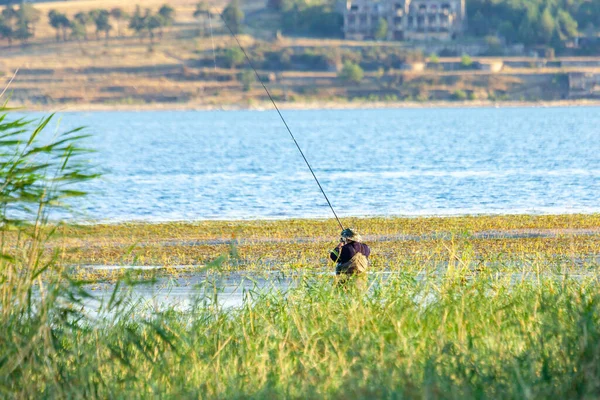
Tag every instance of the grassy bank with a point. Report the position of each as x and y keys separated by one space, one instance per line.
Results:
x=448 y=337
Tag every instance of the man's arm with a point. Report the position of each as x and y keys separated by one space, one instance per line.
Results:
x=336 y=253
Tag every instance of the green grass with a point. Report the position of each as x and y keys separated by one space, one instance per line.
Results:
x=444 y=337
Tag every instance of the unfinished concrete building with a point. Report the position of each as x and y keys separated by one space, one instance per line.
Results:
x=406 y=19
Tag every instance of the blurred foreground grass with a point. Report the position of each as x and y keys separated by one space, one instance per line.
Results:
x=447 y=337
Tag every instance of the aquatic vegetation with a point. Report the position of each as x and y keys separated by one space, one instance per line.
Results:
x=554 y=243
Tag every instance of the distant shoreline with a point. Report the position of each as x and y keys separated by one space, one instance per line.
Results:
x=316 y=105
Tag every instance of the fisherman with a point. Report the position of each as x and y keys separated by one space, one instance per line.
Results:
x=351 y=254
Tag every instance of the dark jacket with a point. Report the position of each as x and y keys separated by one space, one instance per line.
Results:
x=348 y=251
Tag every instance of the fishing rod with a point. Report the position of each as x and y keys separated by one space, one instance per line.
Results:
x=282 y=119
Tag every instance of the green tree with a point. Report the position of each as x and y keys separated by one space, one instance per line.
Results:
x=27 y=16
x=567 y=26
x=78 y=31
x=119 y=15
x=527 y=32
x=82 y=19
x=102 y=21
x=9 y=14
x=138 y=22
x=202 y=13
x=479 y=24
x=153 y=23
x=589 y=14
x=7 y=24
x=166 y=14
x=23 y=32
x=60 y=23
x=247 y=78
x=6 y=30
x=546 y=27
x=466 y=61
x=459 y=95
x=276 y=5
x=233 y=16
x=381 y=30
x=507 y=30
x=234 y=57
x=351 y=73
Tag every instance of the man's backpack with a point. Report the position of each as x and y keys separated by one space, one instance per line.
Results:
x=357 y=265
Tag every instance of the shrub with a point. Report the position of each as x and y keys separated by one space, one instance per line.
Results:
x=459 y=95
x=351 y=73
x=247 y=78
x=381 y=30
x=466 y=61
x=233 y=56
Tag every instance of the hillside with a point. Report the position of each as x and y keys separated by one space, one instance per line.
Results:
x=185 y=66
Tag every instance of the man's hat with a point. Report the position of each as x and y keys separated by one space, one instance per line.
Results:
x=351 y=234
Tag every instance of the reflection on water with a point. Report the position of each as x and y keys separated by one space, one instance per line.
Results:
x=242 y=164
x=231 y=290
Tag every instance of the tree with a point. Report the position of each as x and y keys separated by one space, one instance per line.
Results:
x=479 y=24
x=508 y=32
x=276 y=5
x=7 y=24
x=53 y=19
x=138 y=21
x=567 y=26
x=78 y=31
x=546 y=27
x=233 y=57
x=23 y=32
x=381 y=30
x=351 y=73
x=233 y=16
x=82 y=19
x=166 y=15
x=6 y=30
x=102 y=20
x=526 y=32
x=466 y=61
x=247 y=78
x=27 y=16
x=60 y=22
x=119 y=15
x=153 y=22
x=201 y=13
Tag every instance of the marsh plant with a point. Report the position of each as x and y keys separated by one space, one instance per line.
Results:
x=453 y=334
x=39 y=171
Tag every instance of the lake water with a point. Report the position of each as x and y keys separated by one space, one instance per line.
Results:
x=242 y=164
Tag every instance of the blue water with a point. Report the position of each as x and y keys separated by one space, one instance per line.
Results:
x=242 y=164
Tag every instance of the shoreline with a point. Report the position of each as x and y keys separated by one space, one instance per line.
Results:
x=574 y=217
x=301 y=106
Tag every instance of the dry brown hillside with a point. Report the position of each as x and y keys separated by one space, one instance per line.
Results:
x=178 y=70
